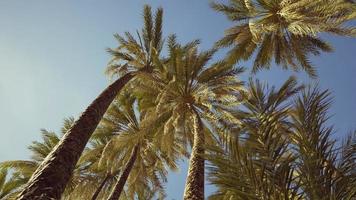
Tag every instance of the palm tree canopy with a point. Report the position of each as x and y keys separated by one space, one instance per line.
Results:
x=129 y=129
x=135 y=54
x=325 y=171
x=187 y=84
x=286 y=30
x=283 y=150
x=257 y=163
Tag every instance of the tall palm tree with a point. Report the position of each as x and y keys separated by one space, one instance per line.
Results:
x=288 y=30
x=257 y=162
x=190 y=93
x=130 y=58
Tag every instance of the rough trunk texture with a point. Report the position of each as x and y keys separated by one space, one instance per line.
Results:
x=98 y=190
x=194 y=186
x=52 y=176
x=119 y=186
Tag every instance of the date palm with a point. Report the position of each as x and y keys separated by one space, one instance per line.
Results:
x=283 y=150
x=129 y=59
x=257 y=163
x=286 y=30
x=191 y=95
x=325 y=171
x=133 y=150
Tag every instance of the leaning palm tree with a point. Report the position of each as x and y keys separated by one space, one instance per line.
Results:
x=39 y=150
x=288 y=30
x=191 y=96
x=257 y=162
x=130 y=58
x=22 y=170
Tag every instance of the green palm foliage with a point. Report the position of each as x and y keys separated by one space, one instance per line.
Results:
x=189 y=94
x=136 y=54
x=9 y=186
x=323 y=173
x=257 y=162
x=286 y=30
x=39 y=150
x=130 y=58
x=283 y=150
x=261 y=142
x=133 y=132
x=96 y=181
x=22 y=170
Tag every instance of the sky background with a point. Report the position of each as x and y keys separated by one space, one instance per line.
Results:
x=52 y=62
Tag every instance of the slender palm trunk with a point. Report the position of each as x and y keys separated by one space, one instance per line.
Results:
x=119 y=186
x=194 y=186
x=52 y=176
x=101 y=186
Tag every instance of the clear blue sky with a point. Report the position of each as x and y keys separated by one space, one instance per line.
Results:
x=52 y=59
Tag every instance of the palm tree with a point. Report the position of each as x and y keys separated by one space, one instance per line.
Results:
x=282 y=150
x=325 y=172
x=257 y=162
x=190 y=94
x=133 y=150
x=129 y=59
x=287 y=30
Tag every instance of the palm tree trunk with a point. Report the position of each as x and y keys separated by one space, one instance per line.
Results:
x=52 y=176
x=119 y=186
x=98 y=190
x=194 y=186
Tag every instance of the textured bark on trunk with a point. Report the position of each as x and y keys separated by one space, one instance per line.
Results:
x=101 y=186
x=52 y=176
x=194 y=186
x=119 y=186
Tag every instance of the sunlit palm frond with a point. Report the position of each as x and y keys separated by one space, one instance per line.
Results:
x=286 y=30
x=321 y=174
x=254 y=160
x=138 y=53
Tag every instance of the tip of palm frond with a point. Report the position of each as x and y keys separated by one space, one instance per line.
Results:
x=146 y=9
x=110 y=50
x=219 y=7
